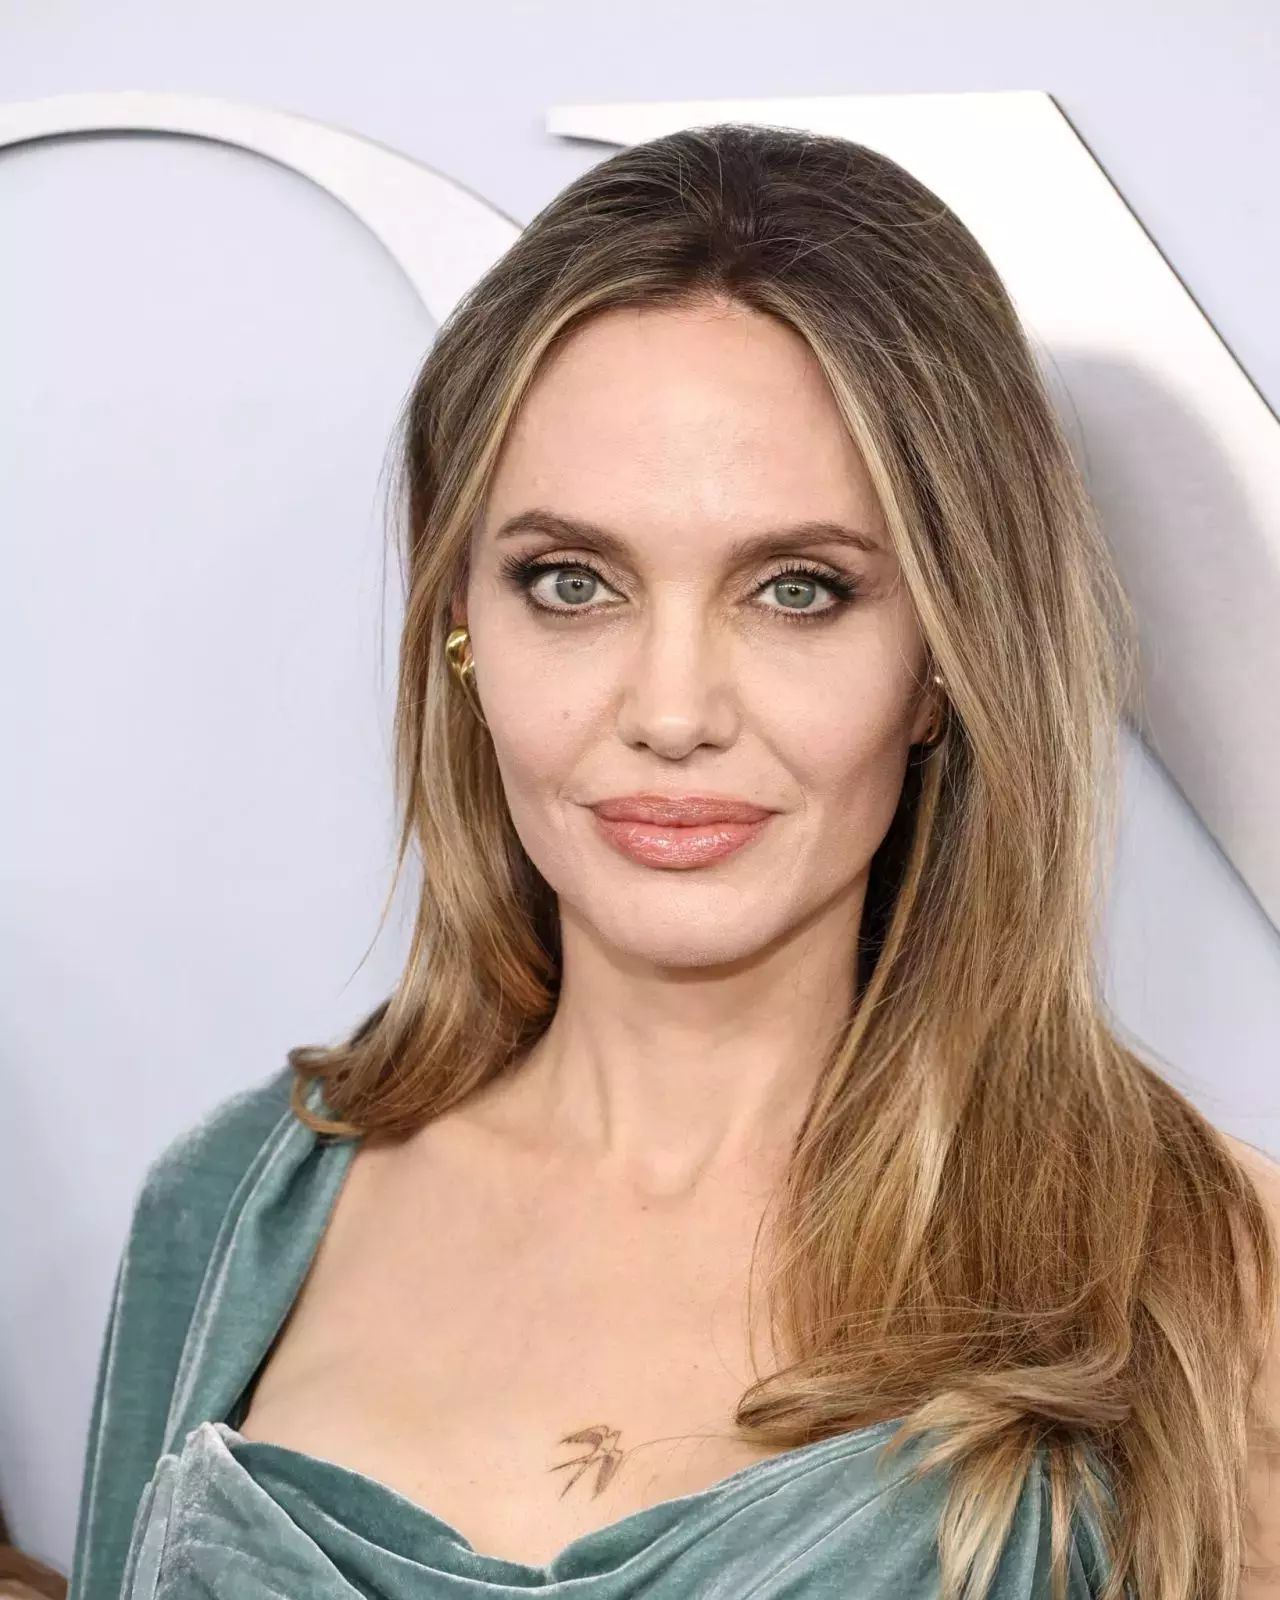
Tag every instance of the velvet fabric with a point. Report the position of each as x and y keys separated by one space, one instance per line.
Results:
x=177 y=1505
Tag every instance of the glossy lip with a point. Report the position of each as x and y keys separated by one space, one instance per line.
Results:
x=679 y=811
x=678 y=832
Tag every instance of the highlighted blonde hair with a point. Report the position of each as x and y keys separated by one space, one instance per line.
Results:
x=998 y=1222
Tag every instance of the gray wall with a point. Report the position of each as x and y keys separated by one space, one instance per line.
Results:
x=202 y=363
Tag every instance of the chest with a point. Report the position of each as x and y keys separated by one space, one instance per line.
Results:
x=527 y=1356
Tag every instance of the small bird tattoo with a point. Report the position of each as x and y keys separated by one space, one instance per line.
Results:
x=603 y=1455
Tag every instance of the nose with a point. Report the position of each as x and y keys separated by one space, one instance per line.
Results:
x=677 y=692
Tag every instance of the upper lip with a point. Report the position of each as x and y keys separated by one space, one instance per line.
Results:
x=686 y=810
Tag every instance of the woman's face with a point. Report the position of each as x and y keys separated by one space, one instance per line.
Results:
x=682 y=587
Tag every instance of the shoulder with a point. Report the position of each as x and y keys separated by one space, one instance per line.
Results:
x=193 y=1179
x=187 y=1189
x=184 y=1198
x=1265 y=1174
x=1264 y=1171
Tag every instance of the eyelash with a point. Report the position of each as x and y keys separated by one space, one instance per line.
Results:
x=524 y=571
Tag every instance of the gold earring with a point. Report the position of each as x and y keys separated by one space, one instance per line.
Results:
x=457 y=647
x=938 y=726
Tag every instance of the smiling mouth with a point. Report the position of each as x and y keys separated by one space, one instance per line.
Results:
x=679 y=832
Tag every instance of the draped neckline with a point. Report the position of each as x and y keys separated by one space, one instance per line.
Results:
x=264 y=1250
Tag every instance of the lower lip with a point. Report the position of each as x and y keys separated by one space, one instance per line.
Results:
x=654 y=845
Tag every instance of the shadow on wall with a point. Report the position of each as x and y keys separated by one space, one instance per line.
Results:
x=1190 y=953
x=1151 y=469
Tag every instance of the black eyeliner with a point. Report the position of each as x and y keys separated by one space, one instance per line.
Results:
x=523 y=572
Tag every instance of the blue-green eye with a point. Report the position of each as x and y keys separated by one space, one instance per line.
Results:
x=796 y=593
x=575 y=585
x=800 y=594
x=559 y=585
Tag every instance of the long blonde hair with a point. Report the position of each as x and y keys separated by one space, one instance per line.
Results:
x=998 y=1221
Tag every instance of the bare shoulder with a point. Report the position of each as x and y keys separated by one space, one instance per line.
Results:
x=1250 y=1154
x=1260 y=1165
x=1265 y=1173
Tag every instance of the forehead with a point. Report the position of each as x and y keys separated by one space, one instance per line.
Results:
x=697 y=415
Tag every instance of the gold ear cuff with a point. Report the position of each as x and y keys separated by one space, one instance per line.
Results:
x=938 y=726
x=457 y=647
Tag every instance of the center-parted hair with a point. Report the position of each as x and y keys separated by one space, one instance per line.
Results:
x=998 y=1222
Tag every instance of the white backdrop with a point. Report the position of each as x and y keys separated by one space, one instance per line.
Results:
x=203 y=360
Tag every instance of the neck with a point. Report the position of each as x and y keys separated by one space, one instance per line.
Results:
x=669 y=1077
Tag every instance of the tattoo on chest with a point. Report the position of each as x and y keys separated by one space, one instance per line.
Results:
x=602 y=1454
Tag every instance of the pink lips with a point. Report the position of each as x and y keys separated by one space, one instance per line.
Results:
x=679 y=831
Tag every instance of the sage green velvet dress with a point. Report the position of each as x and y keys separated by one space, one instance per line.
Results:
x=177 y=1505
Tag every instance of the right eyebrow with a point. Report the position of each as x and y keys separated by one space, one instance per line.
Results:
x=775 y=541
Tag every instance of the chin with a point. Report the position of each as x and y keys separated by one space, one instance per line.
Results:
x=669 y=926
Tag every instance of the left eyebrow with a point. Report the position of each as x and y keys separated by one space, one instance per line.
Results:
x=774 y=541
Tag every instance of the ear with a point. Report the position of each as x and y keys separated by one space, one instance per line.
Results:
x=458 y=604
x=928 y=708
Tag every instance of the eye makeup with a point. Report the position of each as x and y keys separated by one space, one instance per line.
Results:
x=523 y=572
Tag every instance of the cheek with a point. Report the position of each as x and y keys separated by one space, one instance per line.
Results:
x=543 y=719
x=843 y=737
x=843 y=731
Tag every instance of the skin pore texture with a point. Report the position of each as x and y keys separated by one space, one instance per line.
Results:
x=532 y=1316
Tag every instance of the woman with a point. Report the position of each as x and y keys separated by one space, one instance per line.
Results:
x=741 y=1192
